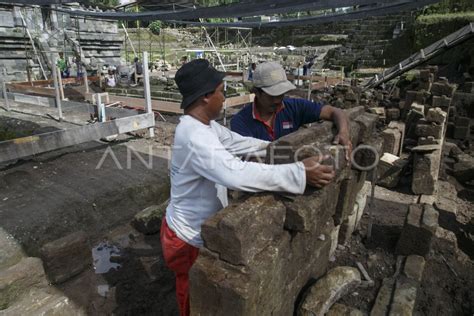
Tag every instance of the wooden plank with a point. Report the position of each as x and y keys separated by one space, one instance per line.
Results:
x=172 y=107
x=48 y=82
x=13 y=87
x=32 y=145
x=239 y=100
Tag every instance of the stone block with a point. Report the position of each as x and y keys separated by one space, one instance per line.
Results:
x=389 y=170
x=418 y=107
x=414 y=267
x=425 y=85
x=215 y=285
x=283 y=150
x=10 y=251
x=392 y=114
x=348 y=191
x=443 y=88
x=351 y=223
x=382 y=302
x=6 y=19
x=414 y=96
x=367 y=123
x=334 y=235
x=380 y=111
x=19 y=279
x=148 y=221
x=354 y=112
x=311 y=211
x=44 y=302
x=442 y=102
x=322 y=295
x=460 y=132
x=430 y=140
x=462 y=121
x=411 y=122
x=343 y=310
x=66 y=257
x=240 y=231
x=463 y=169
x=401 y=127
x=450 y=130
x=425 y=75
x=436 y=115
x=425 y=130
x=425 y=172
x=404 y=298
x=417 y=233
x=391 y=140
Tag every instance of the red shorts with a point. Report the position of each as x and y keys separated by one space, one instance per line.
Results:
x=179 y=257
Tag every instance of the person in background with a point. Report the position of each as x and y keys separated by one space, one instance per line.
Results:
x=137 y=70
x=110 y=79
x=272 y=116
x=252 y=68
x=205 y=160
x=62 y=65
x=80 y=67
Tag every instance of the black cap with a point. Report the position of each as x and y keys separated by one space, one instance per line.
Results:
x=195 y=79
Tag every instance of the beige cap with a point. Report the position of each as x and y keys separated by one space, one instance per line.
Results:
x=271 y=78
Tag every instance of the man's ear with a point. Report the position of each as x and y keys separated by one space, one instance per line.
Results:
x=205 y=98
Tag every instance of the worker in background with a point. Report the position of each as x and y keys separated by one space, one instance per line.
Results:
x=252 y=68
x=204 y=162
x=80 y=68
x=62 y=65
x=272 y=116
x=137 y=70
x=110 y=79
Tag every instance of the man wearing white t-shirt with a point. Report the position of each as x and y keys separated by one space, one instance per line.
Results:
x=205 y=159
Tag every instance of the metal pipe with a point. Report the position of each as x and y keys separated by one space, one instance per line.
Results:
x=56 y=87
x=4 y=87
x=147 y=91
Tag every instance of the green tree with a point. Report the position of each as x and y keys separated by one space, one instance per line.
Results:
x=155 y=27
x=102 y=3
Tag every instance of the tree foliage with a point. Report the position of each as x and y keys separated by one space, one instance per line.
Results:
x=102 y=3
x=155 y=27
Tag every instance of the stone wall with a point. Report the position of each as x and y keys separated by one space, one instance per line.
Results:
x=368 y=42
x=261 y=252
x=52 y=33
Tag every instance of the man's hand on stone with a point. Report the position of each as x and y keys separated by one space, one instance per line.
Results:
x=317 y=174
x=344 y=139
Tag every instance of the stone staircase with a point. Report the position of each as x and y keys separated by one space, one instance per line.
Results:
x=24 y=288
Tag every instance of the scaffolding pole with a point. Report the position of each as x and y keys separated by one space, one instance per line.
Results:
x=33 y=44
x=4 y=87
x=56 y=88
x=129 y=40
x=147 y=91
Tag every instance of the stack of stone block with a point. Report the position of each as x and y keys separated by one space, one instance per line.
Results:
x=397 y=295
x=427 y=155
x=259 y=253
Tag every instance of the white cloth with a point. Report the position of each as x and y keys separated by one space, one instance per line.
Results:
x=110 y=79
x=205 y=156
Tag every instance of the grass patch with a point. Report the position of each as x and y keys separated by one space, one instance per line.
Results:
x=431 y=28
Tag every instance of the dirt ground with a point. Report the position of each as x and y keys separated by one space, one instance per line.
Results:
x=446 y=287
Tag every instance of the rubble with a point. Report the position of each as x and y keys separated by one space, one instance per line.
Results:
x=148 y=221
x=335 y=284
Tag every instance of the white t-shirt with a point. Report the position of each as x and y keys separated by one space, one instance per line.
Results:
x=110 y=79
x=204 y=157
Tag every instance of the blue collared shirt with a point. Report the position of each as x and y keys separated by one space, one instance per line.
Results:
x=293 y=114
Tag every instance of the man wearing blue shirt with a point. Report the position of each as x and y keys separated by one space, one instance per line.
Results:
x=272 y=116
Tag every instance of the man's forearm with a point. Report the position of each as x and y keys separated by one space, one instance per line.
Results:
x=339 y=118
